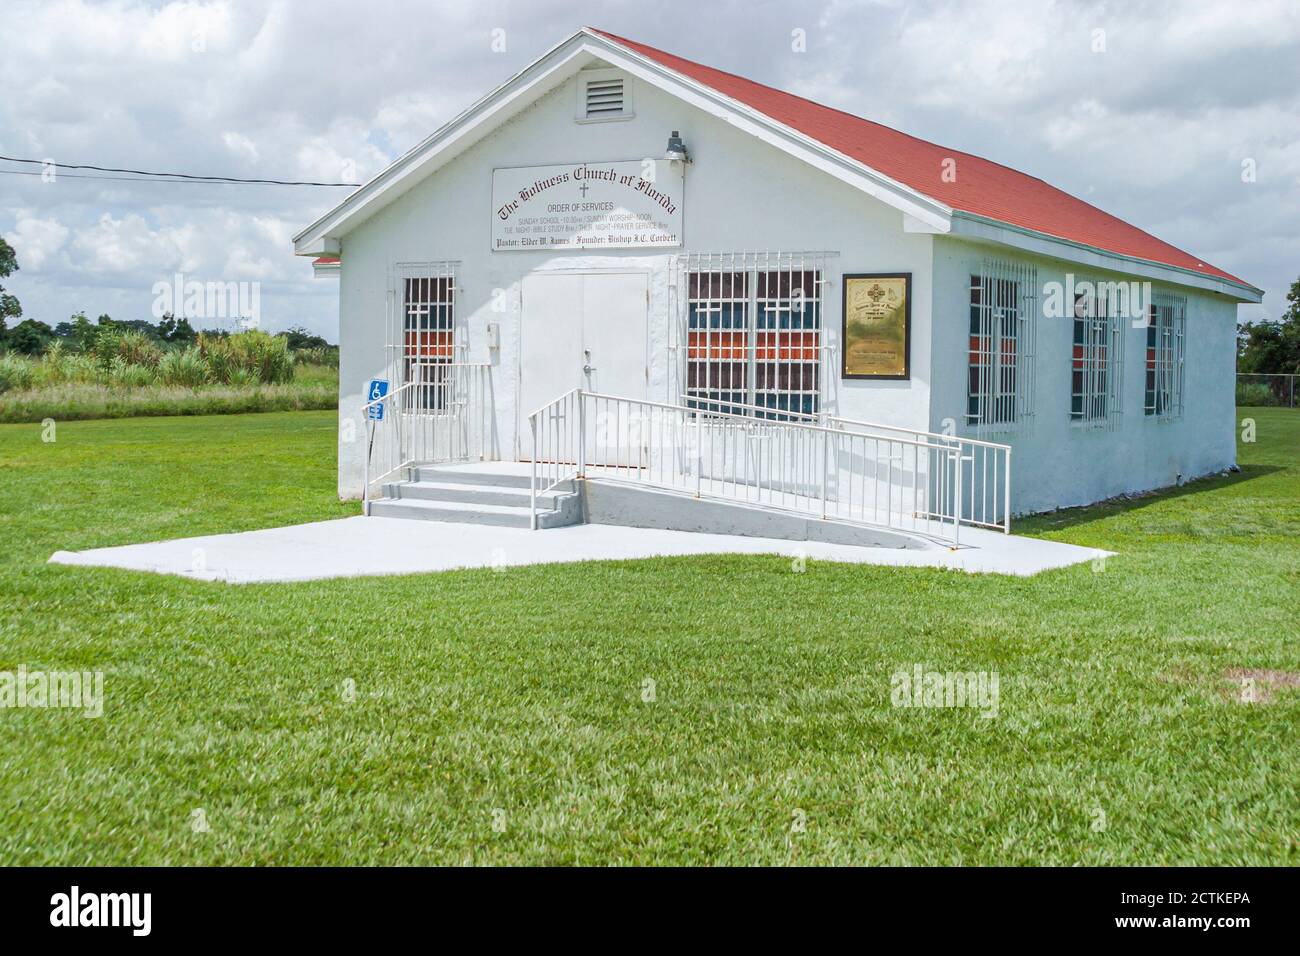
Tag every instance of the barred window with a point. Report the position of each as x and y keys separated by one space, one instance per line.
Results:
x=718 y=319
x=787 y=341
x=999 y=389
x=754 y=338
x=1096 y=357
x=1166 y=332
x=428 y=338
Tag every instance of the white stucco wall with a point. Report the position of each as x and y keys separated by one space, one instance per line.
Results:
x=740 y=194
x=1057 y=463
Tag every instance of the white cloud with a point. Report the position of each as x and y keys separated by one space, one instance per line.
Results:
x=39 y=239
x=240 y=145
x=180 y=29
x=126 y=246
x=340 y=155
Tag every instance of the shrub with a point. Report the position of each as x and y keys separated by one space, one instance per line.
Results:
x=132 y=347
x=327 y=356
x=59 y=366
x=218 y=357
x=1276 y=392
x=54 y=369
x=263 y=357
x=80 y=368
x=300 y=340
x=183 y=368
x=29 y=337
x=123 y=374
x=242 y=378
x=16 y=373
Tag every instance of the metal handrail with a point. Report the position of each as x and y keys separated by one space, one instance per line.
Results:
x=820 y=418
x=550 y=448
x=455 y=429
x=807 y=467
x=991 y=459
x=989 y=498
x=538 y=411
x=370 y=442
x=745 y=418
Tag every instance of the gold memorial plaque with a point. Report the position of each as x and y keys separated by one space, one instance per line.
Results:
x=877 y=325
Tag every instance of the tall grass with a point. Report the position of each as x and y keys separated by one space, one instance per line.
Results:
x=127 y=373
x=123 y=347
x=71 y=402
x=128 y=359
x=16 y=373
x=185 y=368
x=328 y=358
x=248 y=357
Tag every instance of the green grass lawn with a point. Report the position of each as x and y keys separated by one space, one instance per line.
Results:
x=498 y=717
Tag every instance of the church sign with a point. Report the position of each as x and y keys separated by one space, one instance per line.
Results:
x=877 y=325
x=625 y=205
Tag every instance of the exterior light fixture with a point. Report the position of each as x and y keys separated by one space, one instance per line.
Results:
x=676 y=151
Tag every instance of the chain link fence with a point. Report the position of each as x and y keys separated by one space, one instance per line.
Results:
x=1264 y=389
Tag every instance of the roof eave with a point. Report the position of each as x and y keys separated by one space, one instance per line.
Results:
x=968 y=225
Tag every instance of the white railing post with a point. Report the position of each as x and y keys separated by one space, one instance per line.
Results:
x=532 y=426
x=1006 y=501
x=582 y=433
x=826 y=469
x=956 y=511
x=699 y=450
x=365 y=487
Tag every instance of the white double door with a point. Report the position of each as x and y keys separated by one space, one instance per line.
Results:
x=584 y=330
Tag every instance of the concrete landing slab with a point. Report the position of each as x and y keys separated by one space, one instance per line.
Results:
x=354 y=547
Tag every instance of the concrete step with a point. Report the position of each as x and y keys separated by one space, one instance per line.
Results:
x=455 y=511
x=464 y=512
x=491 y=494
x=470 y=492
x=514 y=476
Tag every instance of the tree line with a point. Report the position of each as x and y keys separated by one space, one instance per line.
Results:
x=79 y=334
x=1272 y=348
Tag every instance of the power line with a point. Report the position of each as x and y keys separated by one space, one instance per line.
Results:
x=123 y=179
x=173 y=176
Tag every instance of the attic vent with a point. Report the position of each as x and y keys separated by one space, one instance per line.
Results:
x=604 y=98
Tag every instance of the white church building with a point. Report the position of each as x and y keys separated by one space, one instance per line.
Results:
x=624 y=287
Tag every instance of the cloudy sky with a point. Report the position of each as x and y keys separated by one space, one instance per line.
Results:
x=1157 y=127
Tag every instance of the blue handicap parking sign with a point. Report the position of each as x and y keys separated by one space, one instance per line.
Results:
x=377 y=389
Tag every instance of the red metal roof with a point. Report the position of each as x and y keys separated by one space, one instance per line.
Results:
x=982 y=187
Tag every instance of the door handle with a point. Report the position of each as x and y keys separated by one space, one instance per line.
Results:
x=589 y=369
